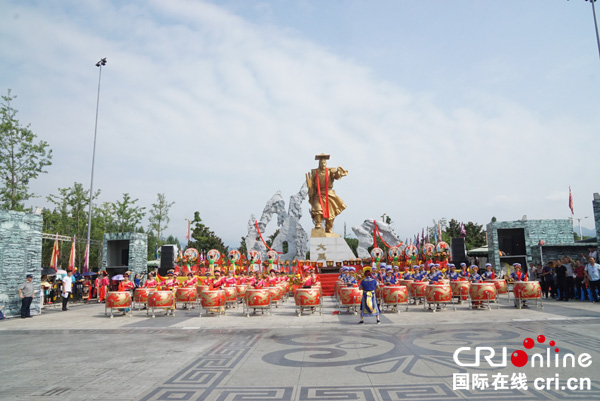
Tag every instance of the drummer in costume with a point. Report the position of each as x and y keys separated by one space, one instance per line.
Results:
x=489 y=273
x=151 y=282
x=311 y=280
x=350 y=279
x=434 y=275
x=242 y=279
x=452 y=275
x=518 y=275
x=171 y=282
x=368 y=306
x=104 y=283
x=273 y=279
x=389 y=278
x=409 y=273
x=126 y=285
x=463 y=274
x=475 y=277
x=87 y=289
x=217 y=282
x=191 y=281
x=230 y=280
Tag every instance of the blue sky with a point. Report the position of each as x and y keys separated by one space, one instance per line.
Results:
x=456 y=109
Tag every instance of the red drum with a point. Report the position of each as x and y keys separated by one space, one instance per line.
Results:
x=241 y=290
x=527 y=290
x=417 y=289
x=161 y=299
x=212 y=299
x=257 y=299
x=119 y=300
x=350 y=296
x=201 y=288
x=406 y=283
x=276 y=294
x=185 y=294
x=140 y=296
x=394 y=295
x=231 y=295
x=460 y=289
x=501 y=285
x=307 y=298
x=438 y=293
x=483 y=291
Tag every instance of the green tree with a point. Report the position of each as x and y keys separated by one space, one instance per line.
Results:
x=475 y=234
x=70 y=215
x=21 y=159
x=242 y=248
x=353 y=244
x=127 y=216
x=203 y=239
x=159 y=216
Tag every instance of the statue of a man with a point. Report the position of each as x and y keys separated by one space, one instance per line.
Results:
x=325 y=204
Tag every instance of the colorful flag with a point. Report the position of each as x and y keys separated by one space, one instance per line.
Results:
x=55 y=254
x=439 y=231
x=72 y=256
x=463 y=231
x=571 y=201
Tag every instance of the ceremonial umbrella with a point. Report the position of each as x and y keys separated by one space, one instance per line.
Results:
x=48 y=271
x=118 y=277
x=89 y=274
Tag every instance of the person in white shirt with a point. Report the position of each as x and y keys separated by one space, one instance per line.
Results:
x=67 y=287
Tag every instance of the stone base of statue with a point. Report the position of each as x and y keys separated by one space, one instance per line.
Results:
x=328 y=246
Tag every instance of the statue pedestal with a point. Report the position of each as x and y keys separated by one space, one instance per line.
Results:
x=324 y=247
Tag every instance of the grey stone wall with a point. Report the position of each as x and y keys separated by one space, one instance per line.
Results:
x=552 y=232
x=138 y=250
x=20 y=254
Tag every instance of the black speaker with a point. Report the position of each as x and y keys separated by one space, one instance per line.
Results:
x=167 y=257
x=458 y=252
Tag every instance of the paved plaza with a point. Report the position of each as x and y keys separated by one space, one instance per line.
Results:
x=83 y=355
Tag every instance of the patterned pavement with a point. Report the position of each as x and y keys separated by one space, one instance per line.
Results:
x=81 y=354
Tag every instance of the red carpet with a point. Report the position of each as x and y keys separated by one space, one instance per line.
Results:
x=328 y=283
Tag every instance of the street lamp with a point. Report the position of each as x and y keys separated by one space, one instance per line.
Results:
x=99 y=64
x=595 y=24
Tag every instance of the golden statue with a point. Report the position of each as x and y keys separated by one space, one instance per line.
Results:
x=325 y=204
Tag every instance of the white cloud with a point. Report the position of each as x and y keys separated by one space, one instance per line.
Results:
x=219 y=113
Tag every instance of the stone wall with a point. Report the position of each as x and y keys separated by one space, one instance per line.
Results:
x=138 y=250
x=20 y=254
x=552 y=232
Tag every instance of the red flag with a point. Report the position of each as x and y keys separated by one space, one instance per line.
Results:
x=571 y=201
x=55 y=254
x=72 y=256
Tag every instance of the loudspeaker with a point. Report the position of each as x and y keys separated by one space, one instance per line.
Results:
x=167 y=259
x=458 y=252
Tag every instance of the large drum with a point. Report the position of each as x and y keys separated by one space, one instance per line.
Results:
x=118 y=300
x=438 y=294
x=161 y=300
x=185 y=295
x=501 y=286
x=276 y=294
x=417 y=289
x=257 y=299
x=201 y=288
x=482 y=293
x=350 y=297
x=307 y=298
x=212 y=301
x=527 y=290
x=460 y=289
x=394 y=295
x=140 y=296
x=230 y=295
x=241 y=290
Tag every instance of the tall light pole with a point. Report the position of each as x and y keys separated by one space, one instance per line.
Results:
x=99 y=64
x=595 y=24
x=579 y=221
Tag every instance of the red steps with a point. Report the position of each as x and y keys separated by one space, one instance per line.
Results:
x=328 y=283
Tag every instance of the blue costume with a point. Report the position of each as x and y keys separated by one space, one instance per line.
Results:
x=488 y=275
x=452 y=276
x=391 y=280
x=476 y=278
x=518 y=277
x=368 y=306
x=407 y=276
x=350 y=281
x=435 y=277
